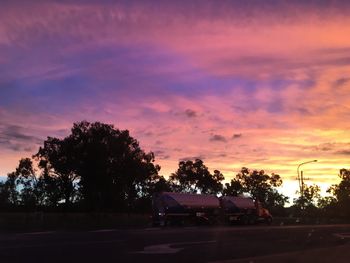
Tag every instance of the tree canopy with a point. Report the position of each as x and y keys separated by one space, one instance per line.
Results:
x=340 y=199
x=310 y=197
x=194 y=177
x=107 y=164
x=259 y=185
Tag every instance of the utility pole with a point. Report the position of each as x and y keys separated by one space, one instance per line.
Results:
x=301 y=181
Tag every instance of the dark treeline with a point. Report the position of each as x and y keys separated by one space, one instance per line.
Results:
x=335 y=205
x=100 y=168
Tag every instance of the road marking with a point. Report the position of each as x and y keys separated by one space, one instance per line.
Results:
x=168 y=249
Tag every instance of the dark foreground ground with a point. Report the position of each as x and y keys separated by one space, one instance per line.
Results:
x=321 y=243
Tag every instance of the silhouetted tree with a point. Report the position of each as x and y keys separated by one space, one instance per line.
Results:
x=53 y=189
x=260 y=186
x=161 y=185
x=154 y=184
x=21 y=186
x=341 y=195
x=328 y=207
x=110 y=168
x=194 y=177
x=234 y=188
x=4 y=196
x=9 y=189
x=59 y=176
x=306 y=205
x=26 y=182
x=310 y=197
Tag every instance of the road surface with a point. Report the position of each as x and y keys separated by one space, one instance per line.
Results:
x=321 y=243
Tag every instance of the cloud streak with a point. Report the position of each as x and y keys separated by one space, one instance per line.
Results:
x=14 y=138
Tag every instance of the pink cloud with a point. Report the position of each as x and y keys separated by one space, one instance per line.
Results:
x=178 y=75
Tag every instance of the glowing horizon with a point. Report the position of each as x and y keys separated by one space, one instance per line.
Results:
x=260 y=85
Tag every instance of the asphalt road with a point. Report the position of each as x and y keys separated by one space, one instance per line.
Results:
x=182 y=244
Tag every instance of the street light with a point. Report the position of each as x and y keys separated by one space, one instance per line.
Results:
x=300 y=177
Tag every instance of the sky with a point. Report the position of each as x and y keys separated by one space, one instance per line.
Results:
x=257 y=84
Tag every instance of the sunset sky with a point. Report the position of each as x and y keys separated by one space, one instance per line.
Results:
x=236 y=83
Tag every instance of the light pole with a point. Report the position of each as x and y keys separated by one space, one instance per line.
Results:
x=301 y=179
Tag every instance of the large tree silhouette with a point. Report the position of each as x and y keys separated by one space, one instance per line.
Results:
x=59 y=175
x=107 y=164
x=340 y=199
x=259 y=185
x=194 y=177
